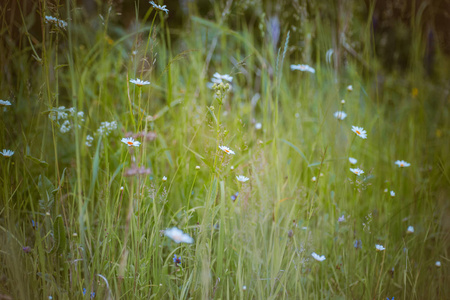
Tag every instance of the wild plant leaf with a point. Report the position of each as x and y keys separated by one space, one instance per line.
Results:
x=59 y=235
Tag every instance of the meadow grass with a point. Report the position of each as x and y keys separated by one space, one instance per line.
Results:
x=76 y=217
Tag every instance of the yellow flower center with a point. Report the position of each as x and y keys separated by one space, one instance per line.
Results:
x=130 y=143
x=357 y=132
x=401 y=165
x=227 y=151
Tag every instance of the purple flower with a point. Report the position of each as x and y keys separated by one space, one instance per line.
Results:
x=357 y=244
x=341 y=219
x=176 y=260
x=26 y=249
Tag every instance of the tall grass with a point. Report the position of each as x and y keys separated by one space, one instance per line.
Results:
x=75 y=217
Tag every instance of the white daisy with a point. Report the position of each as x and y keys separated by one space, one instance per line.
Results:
x=5 y=102
x=342 y=101
x=318 y=257
x=242 y=178
x=392 y=193
x=379 y=247
x=357 y=171
x=217 y=78
x=314 y=179
x=130 y=142
x=303 y=68
x=226 y=150
x=340 y=115
x=7 y=153
x=164 y=178
x=360 y=132
x=178 y=236
x=386 y=190
x=410 y=230
x=402 y=164
x=350 y=88
x=438 y=264
x=139 y=82
x=352 y=160
x=258 y=126
x=159 y=7
x=197 y=167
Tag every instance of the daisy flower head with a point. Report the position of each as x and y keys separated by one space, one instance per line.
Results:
x=7 y=153
x=357 y=171
x=410 y=230
x=217 y=78
x=318 y=257
x=159 y=7
x=359 y=132
x=164 y=178
x=178 y=236
x=352 y=160
x=402 y=164
x=5 y=103
x=340 y=115
x=303 y=68
x=226 y=150
x=438 y=264
x=314 y=179
x=379 y=247
x=258 y=126
x=392 y=193
x=139 y=82
x=242 y=178
x=349 y=88
x=130 y=142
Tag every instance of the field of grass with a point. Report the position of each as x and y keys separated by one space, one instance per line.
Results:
x=84 y=215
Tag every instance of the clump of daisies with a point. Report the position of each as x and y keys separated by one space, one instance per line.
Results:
x=303 y=68
x=57 y=22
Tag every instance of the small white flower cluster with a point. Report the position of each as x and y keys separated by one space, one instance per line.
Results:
x=57 y=22
x=60 y=114
x=107 y=127
x=89 y=140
